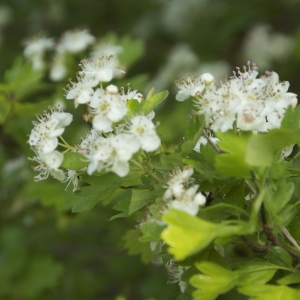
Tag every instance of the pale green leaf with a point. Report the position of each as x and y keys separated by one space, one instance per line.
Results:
x=290 y=279
x=186 y=234
x=270 y=292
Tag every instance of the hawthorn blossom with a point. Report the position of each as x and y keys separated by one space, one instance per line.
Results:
x=189 y=200
x=81 y=92
x=131 y=95
x=251 y=103
x=107 y=108
x=143 y=129
x=35 y=49
x=175 y=185
x=109 y=154
x=43 y=137
x=105 y=49
x=48 y=164
x=100 y=70
x=189 y=87
x=58 y=69
x=75 y=41
x=72 y=177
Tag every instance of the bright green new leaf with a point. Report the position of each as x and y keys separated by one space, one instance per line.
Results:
x=270 y=292
x=89 y=196
x=214 y=281
x=256 y=272
x=134 y=107
x=139 y=199
x=186 y=234
x=290 y=279
x=153 y=101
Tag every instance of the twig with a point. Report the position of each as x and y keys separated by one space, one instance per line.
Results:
x=254 y=247
x=289 y=237
x=212 y=143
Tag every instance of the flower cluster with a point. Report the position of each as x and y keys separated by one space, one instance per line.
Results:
x=113 y=139
x=43 y=140
x=245 y=101
x=183 y=195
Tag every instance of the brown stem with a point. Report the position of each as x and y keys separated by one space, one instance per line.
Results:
x=255 y=247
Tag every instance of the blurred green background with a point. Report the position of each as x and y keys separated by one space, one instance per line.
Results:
x=46 y=252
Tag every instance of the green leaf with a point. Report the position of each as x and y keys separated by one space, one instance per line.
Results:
x=134 y=246
x=151 y=232
x=134 y=107
x=264 y=149
x=291 y=119
x=74 y=161
x=192 y=135
x=153 y=101
x=279 y=256
x=139 y=199
x=4 y=108
x=270 y=292
x=290 y=279
x=278 y=195
x=232 y=162
x=89 y=196
x=256 y=272
x=23 y=80
x=186 y=234
x=43 y=273
x=214 y=281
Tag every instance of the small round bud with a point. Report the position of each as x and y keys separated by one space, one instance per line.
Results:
x=294 y=102
x=207 y=78
x=112 y=89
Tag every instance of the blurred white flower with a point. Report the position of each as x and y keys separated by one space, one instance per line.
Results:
x=75 y=41
x=35 y=49
x=100 y=70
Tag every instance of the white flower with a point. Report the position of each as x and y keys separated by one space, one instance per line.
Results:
x=106 y=49
x=35 y=49
x=189 y=87
x=256 y=104
x=100 y=70
x=58 y=69
x=43 y=137
x=81 y=92
x=49 y=163
x=75 y=41
x=72 y=176
x=111 y=153
x=144 y=130
x=175 y=187
x=131 y=95
x=107 y=108
x=189 y=201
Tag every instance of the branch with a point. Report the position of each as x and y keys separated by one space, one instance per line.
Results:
x=255 y=247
